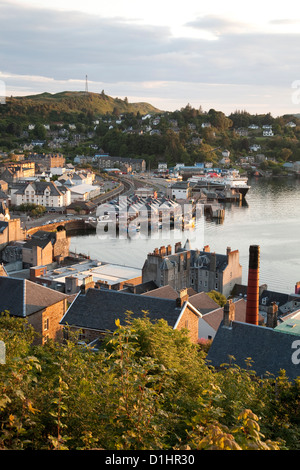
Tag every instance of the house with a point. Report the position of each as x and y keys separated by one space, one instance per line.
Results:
x=290 y=124
x=210 y=322
x=181 y=190
x=44 y=193
x=201 y=301
x=225 y=153
x=268 y=133
x=36 y=252
x=84 y=192
x=42 y=307
x=211 y=312
x=4 y=211
x=70 y=278
x=94 y=312
x=286 y=303
x=15 y=172
x=81 y=207
x=45 y=248
x=47 y=161
x=202 y=270
x=3 y=186
x=254 y=147
x=124 y=163
x=10 y=230
x=270 y=349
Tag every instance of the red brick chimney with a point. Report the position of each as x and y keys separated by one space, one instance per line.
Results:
x=252 y=308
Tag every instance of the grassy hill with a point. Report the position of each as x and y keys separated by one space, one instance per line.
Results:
x=54 y=107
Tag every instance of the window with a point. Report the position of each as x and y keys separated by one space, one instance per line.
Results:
x=81 y=335
x=46 y=324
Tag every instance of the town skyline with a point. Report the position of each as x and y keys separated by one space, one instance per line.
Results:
x=223 y=57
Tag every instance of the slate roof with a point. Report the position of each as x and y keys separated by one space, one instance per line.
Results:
x=141 y=288
x=22 y=297
x=203 y=302
x=200 y=301
x=98 y=309
x=271 y=296
x=164 y=292
x=3 y=226
x=42 y=243
x=203 y=259
x=215 y=317
x=40 y=187
x=270 y=350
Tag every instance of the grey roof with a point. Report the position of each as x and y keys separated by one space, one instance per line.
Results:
x=271 y=296
x=269 y=349
x=40 y=187
x=3 y=226
x=22 y=297
x=202 y=260
x=203 y=302
x=98 y=309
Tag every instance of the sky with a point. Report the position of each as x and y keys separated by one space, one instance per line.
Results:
x=227 y=55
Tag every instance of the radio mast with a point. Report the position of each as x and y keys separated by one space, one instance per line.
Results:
x=86 y=84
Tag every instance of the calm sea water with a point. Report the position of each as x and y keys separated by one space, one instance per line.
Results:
x=270 y=219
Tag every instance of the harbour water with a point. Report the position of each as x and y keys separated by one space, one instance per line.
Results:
x=270 y=218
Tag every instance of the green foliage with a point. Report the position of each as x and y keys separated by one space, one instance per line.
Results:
x=34 y=209
x=147 y=387
x=217 y=297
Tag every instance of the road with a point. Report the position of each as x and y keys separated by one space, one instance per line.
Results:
x=128 y=185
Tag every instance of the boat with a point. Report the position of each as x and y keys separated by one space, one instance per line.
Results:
x=229 y=181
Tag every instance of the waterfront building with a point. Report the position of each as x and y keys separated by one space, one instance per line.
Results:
x=201 y=270
x=44 y=193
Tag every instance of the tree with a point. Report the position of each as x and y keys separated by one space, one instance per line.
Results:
x=217 y=297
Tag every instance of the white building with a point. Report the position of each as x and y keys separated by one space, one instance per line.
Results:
x=268 y=133
x=181 y=190
x=84 y=192
x=42 y=193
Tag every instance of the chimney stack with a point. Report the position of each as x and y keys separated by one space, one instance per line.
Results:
x=272 y=315
x=252 y=308
x=229 y=313
x=183 y=297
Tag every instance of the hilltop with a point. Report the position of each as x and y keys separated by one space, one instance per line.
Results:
x=57 y=106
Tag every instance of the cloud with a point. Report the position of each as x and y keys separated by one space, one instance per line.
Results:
x=48 y=49
x=217 y=25
x=285 y=21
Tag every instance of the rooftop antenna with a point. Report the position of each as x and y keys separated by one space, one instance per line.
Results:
x=86 y=84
